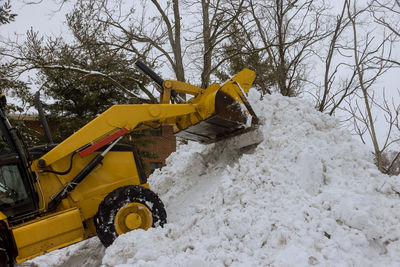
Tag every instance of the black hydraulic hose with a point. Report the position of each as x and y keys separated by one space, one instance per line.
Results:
x=149 y=72
x=42 y=117
x=63 y=172
x=79 y=177
x=154 y=76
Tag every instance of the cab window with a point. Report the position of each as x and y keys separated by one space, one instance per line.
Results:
x=16 y=192
x=12 y=188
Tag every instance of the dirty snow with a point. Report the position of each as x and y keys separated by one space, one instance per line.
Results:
x=309 y=194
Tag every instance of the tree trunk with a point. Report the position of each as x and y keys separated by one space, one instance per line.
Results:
x=179 y=71
x=205 y=75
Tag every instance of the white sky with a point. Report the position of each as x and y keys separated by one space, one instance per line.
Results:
x=45 y=16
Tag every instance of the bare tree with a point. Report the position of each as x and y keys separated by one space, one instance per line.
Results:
x=217 y=17
x=367 y=54
x=174 y=37
x=340 y=76
x=386 y=13
x=155 y=29
x=288 y=30
x=391 y=112
x=138 y=32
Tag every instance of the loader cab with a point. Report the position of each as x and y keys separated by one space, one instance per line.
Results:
x=17 y=194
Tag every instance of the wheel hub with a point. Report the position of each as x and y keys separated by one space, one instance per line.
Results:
x=133 y=216
x=133 y=221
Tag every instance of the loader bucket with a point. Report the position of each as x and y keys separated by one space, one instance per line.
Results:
x=224 y=111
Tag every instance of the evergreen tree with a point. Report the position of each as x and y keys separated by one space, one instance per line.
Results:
x=7 y=82
x=5 y=13
x=82 y=78
x=239 y=54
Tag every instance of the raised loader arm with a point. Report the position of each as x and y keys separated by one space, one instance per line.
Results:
x=117 y=117
x=212 y=114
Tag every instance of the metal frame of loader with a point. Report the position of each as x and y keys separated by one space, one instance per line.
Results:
x=72 y=191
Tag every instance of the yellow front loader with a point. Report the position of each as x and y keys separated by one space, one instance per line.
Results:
x=52 y=196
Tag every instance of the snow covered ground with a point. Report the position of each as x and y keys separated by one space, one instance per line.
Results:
x=309 y=194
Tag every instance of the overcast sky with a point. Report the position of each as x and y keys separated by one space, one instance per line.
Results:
x=45 y=17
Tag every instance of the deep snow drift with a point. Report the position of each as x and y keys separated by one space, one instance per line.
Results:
x=309 y=194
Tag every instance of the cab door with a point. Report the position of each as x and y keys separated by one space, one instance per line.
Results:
x=17 y=196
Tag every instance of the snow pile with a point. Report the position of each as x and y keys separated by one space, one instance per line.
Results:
x=307 y=195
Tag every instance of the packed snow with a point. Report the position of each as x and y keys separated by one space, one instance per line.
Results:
x=309 y=194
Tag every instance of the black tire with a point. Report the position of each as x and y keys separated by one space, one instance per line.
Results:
x=104 y=220
x=4 y=256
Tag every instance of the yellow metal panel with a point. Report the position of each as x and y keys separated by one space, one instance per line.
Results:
x=118 y=168
x=116 y=117
x=102 y=180
x=245 y=78
x=49 y=233
x=2 y=216
x=182 y=87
